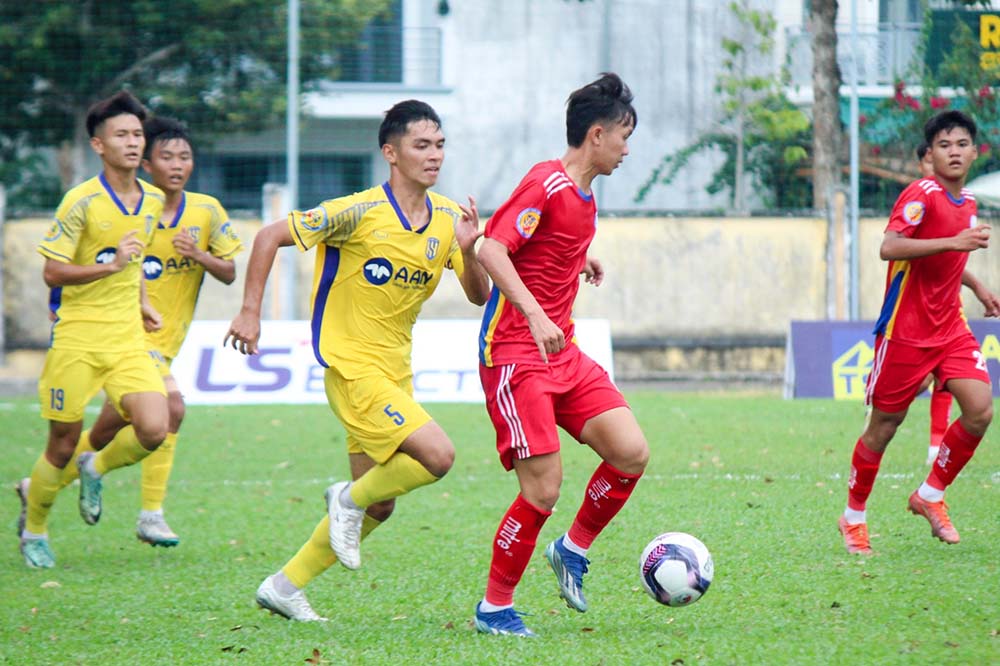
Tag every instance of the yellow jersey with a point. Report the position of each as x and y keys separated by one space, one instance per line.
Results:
x=372 y=275
x=174 y=281
x=103 y=315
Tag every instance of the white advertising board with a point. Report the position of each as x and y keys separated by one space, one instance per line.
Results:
x=445 y=362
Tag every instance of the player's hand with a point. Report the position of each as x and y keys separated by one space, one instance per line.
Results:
x=467 y=229
x=185 y=244
x=151 y=319
x=593 y=272
x=547 y=335
x=973 y=238
x=990 y=301
x=245 y=332
x=129 y=248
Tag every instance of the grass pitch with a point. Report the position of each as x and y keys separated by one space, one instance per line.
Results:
x=758 y=479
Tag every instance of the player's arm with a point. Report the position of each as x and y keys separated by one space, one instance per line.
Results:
x=58 y=273
x=223 y=270
x=245 y=328
x=474 y=279
x=897 y=246
x=990 y=301
x=593 y=271
x=151 y=319
x=495 y=258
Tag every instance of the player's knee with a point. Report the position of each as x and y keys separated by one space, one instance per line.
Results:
x=542 y=498
x=977 y=420
x=381 y=511
x=176 y=408
x=439 y=461
x=151 y=435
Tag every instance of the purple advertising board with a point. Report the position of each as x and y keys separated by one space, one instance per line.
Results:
x=832 y=359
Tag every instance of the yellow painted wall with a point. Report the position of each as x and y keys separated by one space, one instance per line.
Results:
x=676 y=277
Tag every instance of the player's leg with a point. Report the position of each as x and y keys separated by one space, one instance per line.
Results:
x=520 y=406
x=409 y=450
x=594 y=411
x=895 y=379
x=108 y=424
x=135 y=388
x=282 y=592
x=67 y=383
x=940 y=418
x=151 y=526
x=965 y=376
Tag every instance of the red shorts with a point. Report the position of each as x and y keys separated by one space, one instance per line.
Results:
x=899 y=369
x=527 y=402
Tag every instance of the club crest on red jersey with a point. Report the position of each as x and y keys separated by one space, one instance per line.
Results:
x=913 y=212
x=527 y=221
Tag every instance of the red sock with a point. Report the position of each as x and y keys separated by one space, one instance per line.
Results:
x=606 y=494
x=864 y=469
x=940 y=415
x=957 y=448
x=512 y=548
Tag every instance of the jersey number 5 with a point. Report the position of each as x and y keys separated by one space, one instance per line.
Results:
x=396 y=417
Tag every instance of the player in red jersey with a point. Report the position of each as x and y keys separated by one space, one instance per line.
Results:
x=940 y=398
x=534 y=375
x=922 y=329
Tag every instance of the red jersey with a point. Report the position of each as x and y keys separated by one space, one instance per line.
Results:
x=547 y=225
x=922 y=305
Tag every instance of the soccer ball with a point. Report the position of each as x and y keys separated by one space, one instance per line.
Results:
x=676 y=569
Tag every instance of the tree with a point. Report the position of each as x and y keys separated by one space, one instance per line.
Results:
x=761 y=131
x=219 y=64
x=826 y=139
x=891 y=132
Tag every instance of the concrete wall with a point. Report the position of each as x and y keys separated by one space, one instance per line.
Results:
x=702 y=279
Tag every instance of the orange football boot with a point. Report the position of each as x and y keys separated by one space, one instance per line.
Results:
x=855 y=537
x=936 y=514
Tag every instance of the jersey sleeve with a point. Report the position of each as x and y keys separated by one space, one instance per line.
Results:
x=517 y=219
x=455 y=260
x=909 y=210
x=332 y=222
x=222 y=239
x=63 y=236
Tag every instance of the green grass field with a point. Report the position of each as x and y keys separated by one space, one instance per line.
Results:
x=760 y=480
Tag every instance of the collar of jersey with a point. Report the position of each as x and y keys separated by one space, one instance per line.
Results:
x=177 y=215
x=118 y=202
x=399 y=211
x=957 y=202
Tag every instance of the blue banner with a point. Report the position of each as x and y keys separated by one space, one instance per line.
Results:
x=832 y=359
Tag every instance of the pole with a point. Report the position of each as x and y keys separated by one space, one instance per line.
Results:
x=289 y=261
x=855 y=309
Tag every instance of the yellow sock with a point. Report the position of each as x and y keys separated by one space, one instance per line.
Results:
x=399 y=475
x=315 y=556
x=41 y=494
x=70 y=472
x=123 y=450
x=156 y=472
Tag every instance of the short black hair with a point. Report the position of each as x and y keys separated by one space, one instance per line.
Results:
x=947 y=121
x=398 y=118
x=160 y=129
x=606 y=100
x=122 y=102
x=921 y=150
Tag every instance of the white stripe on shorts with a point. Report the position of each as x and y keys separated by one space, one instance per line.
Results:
x=508 y=410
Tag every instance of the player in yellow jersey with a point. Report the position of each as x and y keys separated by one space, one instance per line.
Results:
x=380 y=255
x=93 y=254
x=193 y=237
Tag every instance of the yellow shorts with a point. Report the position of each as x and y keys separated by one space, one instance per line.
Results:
x=71 y=378
x=377 y=412
x=161 y=362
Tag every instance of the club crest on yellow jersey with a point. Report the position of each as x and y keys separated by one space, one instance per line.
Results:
x=432 y=247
